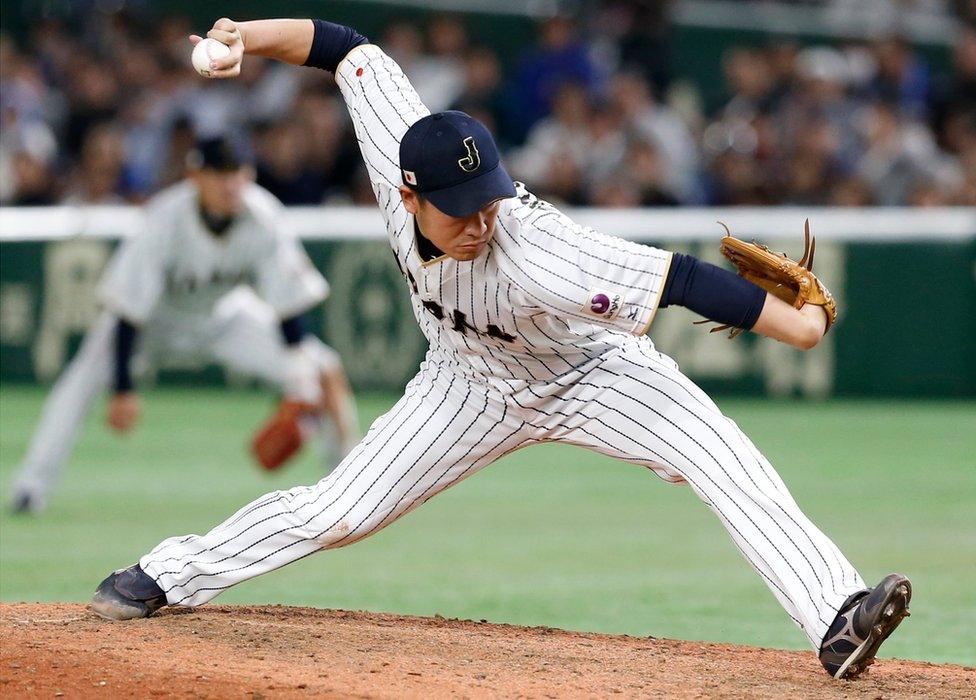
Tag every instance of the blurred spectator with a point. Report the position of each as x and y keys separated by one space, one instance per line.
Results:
x=737 y=179
x=633 y=35
x=606 y=143
x=901 y=78
x=617 y=192
x=957 y=175
x=813 y=163
x=97 y=177
x=781 y=55
x=271 y=87
x=897 y=155
x=442 y=69
x=283 y=166
x=660 y=126
x=649 y=173
x=437 y=76
x=644 y=44
x=483 y=95
x=24 y=95
x=588 y=114
x=966 y=11
x=750 y=80
x=822 y=96
x=851 y=192
x=182 y=140
x=329 y=150
x=557 y=146
x=559 y=58
x=93 y=94
x=31 y=149
x=926 y=194
x=956 y=93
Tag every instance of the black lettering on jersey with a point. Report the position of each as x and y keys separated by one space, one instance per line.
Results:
x=435 y=309
x=218 y=281
x=459 y=323
x=531 y=201
x=496 y=332
x=412 y=281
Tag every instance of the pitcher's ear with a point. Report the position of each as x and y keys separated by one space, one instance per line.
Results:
x=411 y=200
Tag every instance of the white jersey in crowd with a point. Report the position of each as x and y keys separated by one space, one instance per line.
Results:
x=175 y=264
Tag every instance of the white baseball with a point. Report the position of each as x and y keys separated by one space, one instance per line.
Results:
x=205 y=52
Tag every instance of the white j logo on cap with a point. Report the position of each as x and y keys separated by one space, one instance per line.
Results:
x=471 y=161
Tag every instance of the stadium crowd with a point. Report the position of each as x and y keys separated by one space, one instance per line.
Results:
x=593 y=113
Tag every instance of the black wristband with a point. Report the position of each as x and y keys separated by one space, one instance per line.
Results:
x=293 y=330
x=716 y=294
x=331 y=43
x=125 y=343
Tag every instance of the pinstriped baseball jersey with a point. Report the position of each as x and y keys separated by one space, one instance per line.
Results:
x=176 y=265
x=537 y=339
x=546 y=295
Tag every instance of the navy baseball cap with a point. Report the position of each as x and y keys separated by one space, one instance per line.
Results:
x=451 y=159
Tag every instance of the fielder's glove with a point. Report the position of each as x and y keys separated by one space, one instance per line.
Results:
x=282 y=436
x=789 y=280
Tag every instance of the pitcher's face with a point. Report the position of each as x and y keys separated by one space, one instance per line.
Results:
x=461 y=238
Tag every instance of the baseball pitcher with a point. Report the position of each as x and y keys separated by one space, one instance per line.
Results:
x=214 y=276
x=537 y=330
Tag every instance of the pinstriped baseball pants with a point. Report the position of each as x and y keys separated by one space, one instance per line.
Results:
x=631 y=403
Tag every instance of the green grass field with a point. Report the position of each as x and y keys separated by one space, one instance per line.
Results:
x=549 y=536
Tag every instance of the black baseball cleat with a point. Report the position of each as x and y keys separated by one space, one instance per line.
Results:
x=127 y=594
x=25 y=503
x=863 y=623
x=22 y=504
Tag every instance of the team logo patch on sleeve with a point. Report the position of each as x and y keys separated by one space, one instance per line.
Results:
x=602 y=303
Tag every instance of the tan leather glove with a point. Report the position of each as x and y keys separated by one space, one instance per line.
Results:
x=787 y=279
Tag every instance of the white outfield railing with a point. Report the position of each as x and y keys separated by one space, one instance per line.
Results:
x=889 y=224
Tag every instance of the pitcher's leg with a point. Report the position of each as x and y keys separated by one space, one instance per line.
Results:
x=64 y=412
x=644 y=410
x=441 y=431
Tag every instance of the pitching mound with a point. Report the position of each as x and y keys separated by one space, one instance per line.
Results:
x=237 y=651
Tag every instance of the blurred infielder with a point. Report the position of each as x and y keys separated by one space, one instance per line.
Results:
x=214 y=276
x=536 y=328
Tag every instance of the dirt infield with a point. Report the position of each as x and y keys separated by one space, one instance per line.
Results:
x=252 y=652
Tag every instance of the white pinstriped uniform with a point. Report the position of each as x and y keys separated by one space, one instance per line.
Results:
x=196 y=298
x=540 y=338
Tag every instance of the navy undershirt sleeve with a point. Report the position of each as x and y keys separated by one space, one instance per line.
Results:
x=331 y=43
x=716 y=294
x=125 y=343
x=293 y=330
